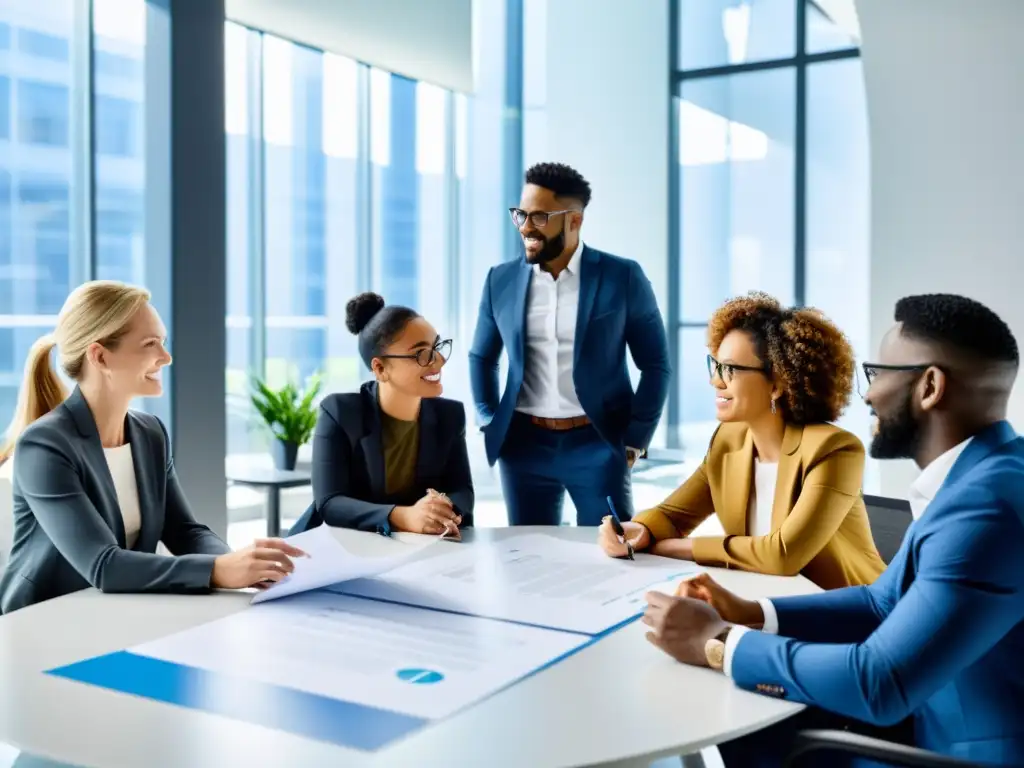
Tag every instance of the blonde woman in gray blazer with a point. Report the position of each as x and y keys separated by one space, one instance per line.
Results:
x=94 y=485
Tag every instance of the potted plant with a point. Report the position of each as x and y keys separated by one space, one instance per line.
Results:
x=290 y=414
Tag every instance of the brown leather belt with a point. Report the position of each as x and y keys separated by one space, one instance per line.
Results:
x=560 y=425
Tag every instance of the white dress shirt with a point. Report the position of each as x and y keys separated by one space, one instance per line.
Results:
x=122 y=471
x=922 y=492
x=551 y=311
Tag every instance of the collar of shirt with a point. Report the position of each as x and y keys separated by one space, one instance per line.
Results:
x=928 y=483
x=573 y=267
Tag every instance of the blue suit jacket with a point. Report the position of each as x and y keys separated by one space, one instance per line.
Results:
x=939 y=636
x=617 y=309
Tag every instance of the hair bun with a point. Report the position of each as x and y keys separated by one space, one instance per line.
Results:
x=360 y=310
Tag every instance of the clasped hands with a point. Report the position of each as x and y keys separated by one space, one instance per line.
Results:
x=433 y=514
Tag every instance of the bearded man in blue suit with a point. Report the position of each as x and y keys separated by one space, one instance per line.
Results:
x=568 y=418
x=935 y=647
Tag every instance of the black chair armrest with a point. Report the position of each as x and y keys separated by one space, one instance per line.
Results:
x=866 y=746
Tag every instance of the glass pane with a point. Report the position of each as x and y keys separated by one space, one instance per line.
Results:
x=838 y=207
x=696 y=397
x=37 y=247
x=309 y=128
x=409 y=154
x=736 y=223
x=832 y=29
x=714 y=33
x=242 y=435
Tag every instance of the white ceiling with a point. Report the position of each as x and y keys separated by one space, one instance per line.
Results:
x=429 y=40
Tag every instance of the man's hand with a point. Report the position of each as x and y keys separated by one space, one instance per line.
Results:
x=732 y=608
x=632 y=454
x=681 y=627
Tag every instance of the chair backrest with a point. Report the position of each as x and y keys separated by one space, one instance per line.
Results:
x=889 y=520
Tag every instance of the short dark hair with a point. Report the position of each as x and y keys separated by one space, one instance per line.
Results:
x=963 y=324
x=561 y=179
x=376 y=326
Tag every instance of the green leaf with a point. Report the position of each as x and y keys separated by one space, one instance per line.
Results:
x=288 y=412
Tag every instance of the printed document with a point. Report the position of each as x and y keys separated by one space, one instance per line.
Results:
x=532 y=579
x=419 y=662
x=329 y=562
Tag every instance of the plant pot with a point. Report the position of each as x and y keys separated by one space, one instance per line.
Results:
x=284 y=454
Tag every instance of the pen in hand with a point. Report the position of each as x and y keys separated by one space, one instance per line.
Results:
x=613 y=518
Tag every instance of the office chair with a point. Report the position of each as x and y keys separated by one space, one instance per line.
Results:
x=887 y=752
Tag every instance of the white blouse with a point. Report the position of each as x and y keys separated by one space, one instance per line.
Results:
x=762 y=496
x=122 y=470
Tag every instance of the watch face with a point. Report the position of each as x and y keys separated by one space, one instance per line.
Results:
x=714 y=650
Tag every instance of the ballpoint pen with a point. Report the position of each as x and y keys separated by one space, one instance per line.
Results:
x=617 y=527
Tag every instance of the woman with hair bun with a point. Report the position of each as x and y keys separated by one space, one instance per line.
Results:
x=783 y=480
x=392 y=456
x=94 y=486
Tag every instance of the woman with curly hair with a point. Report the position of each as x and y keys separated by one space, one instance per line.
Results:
x=784 y=482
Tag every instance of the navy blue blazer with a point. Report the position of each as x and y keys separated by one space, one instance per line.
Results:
x=348 y=462
x=617 y=310
x=68 y=529
x=939 y=636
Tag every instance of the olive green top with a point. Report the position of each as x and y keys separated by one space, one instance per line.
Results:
x=401 y=441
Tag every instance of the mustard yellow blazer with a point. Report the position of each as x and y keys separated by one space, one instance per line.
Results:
x=819 y=522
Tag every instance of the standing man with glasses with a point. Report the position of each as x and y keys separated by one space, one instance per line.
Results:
x=568 y=418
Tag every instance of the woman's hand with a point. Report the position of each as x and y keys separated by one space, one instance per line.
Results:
x=636 y=534
x=732 y=608
x=432 y=514
x=265 y=560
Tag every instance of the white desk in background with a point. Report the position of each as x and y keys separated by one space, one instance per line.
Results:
x=619 y=701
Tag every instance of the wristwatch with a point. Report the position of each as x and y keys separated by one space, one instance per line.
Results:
x=714 y=649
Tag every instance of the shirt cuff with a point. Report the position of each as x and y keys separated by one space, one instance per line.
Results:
x=771 y=618
x=731 y=641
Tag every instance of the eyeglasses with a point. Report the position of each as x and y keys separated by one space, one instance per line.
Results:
x=537 y=218
x=425 y=357
x=725 y=371
x=871 y=371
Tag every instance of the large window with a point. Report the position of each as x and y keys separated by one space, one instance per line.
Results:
x=67 y=214
x=771 y=183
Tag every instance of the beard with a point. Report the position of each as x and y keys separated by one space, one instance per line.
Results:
x=552 y=249
x=898 y=435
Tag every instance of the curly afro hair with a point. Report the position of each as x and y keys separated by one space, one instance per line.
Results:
x=809 y=357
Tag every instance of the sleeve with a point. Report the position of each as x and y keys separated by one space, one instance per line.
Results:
x=484 y=357
x=53 y=489
x=830 y=489
x=968 y=576
x=458 y=479
x=685 y=509
x=182 y=533
x=648 y=346
x=331 y=478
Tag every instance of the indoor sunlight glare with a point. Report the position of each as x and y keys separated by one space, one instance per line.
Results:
x=236 y=102
x=706 y=138
x=736 y=30
x=341 y=101
x=380 y=116
x=461 y=135
x=430 y=129
x=278 y=106
x=123 y=20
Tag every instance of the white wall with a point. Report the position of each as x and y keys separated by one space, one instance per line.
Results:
x=945 y=95
x=607 y=102
x=429 y=40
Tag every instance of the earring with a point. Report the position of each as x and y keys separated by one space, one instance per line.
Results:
x=773 y=406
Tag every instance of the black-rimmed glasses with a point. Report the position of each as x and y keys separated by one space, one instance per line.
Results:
x=725 y=371
x=425 y=357
x=871 y=371
x=539 y=219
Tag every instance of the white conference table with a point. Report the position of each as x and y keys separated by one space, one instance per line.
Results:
x=618 y=702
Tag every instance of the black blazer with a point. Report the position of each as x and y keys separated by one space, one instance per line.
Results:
x=68 y=529
x=348 y=462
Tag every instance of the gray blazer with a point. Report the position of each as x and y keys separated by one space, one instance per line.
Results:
x=68 y=529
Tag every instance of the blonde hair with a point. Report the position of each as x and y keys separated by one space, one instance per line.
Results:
x=95 y=312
